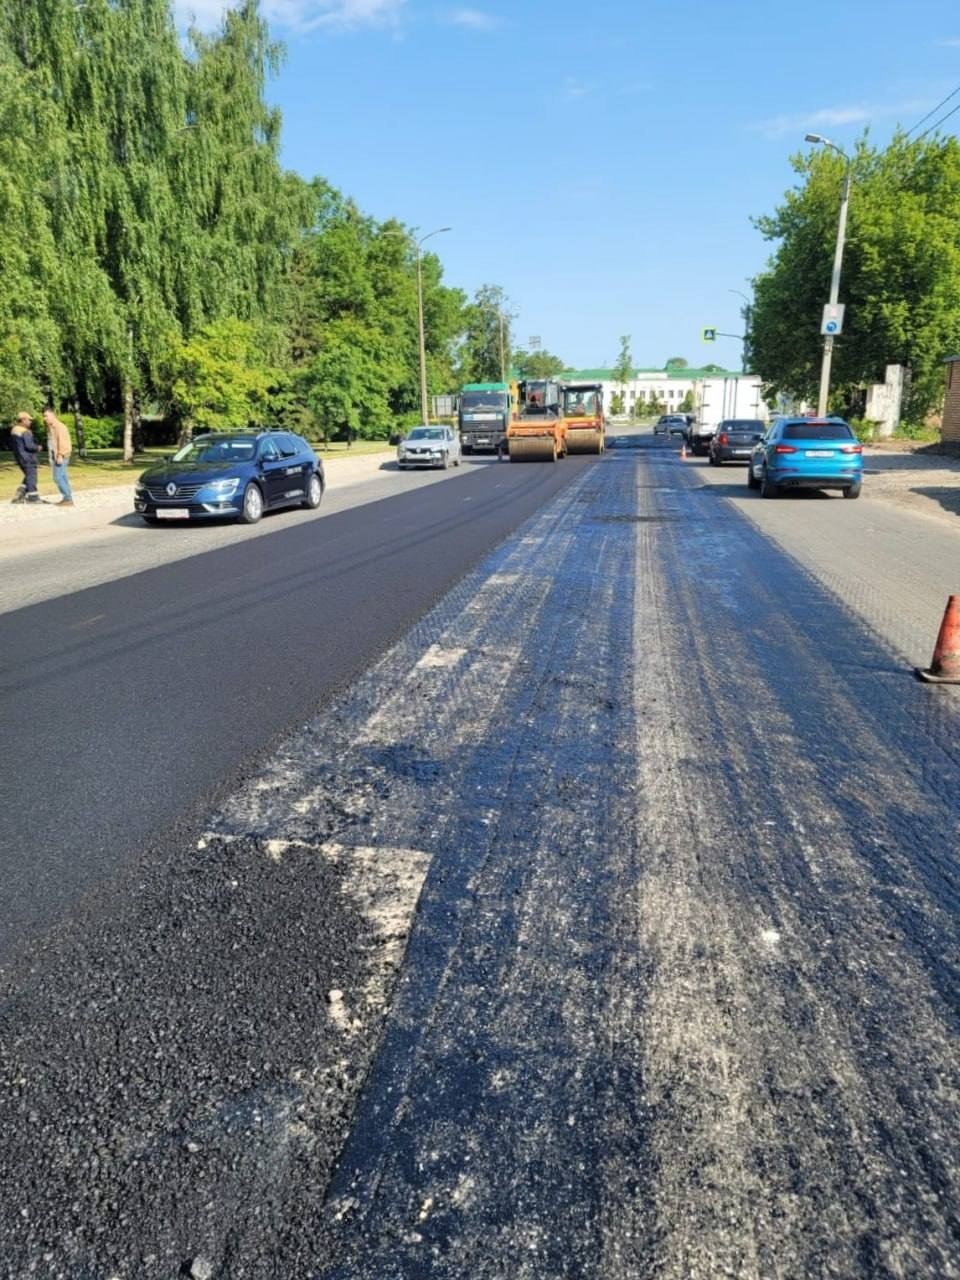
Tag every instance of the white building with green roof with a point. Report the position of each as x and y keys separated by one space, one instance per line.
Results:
x=716 y=393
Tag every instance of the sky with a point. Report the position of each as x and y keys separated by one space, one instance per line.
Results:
x=599 y=159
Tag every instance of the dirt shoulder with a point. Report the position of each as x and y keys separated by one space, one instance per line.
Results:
x=916 y=478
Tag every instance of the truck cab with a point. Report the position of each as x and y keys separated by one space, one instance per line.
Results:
x=484 y=413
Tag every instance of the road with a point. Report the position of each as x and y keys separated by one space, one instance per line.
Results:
x=607 y=926
x=139 y=699
x=102 y=539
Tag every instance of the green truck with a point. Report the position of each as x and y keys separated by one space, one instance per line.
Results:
x=484 y=413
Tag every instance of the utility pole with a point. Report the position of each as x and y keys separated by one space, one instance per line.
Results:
x=835 y=277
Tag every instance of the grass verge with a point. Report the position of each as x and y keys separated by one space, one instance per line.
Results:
x=103 y=467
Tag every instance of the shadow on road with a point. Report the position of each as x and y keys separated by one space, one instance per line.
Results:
x=949 y=499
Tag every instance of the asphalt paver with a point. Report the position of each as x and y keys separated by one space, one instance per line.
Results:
x=606 y=927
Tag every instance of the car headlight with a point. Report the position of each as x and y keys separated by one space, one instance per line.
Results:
x=139 y=488
x=222 y=488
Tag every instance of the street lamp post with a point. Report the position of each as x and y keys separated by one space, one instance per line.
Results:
x=502 y=340
x=745 y=358
x=423 y=341
x=837 y=265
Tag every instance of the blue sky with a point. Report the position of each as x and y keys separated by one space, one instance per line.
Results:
x=600 y=161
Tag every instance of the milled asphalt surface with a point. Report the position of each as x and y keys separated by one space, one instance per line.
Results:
x=606 y=927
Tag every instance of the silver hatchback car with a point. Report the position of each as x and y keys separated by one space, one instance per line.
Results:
x=429 y=446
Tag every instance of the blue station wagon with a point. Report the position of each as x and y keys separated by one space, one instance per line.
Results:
x=807 y=453
x=235 y=475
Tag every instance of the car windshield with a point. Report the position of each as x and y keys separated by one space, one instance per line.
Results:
x=490 y=400
x=216 y=449
x=817 y=431
x=743 y=424
x=426 y=433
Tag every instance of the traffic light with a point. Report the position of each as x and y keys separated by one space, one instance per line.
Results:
x=709 y=335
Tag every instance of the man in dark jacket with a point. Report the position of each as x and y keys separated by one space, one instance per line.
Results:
x=25 y=449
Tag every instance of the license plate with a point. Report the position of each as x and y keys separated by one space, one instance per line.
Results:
x=819 y=453
x=741 y=453
x=173 y=513
x=481 y=440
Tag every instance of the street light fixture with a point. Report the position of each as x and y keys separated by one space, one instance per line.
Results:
x=837 y=265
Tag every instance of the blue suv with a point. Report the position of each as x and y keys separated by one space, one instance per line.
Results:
x=237 y=475
x=807 y=453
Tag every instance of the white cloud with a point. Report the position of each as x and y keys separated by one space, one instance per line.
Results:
x=299 y=15
x=473 y=19
x=573 y=88
x=952 y=43
x=836 y=117
x=827 y=118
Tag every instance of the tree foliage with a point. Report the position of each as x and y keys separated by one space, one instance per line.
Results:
x=354 y=330
x=537 y=364
x=223 y=380
x=486 y=351
x=623 y=368
x=152 y=248
x=901 y=271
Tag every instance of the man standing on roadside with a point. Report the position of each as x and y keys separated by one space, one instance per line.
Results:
x=58 y=442
x=24 y=447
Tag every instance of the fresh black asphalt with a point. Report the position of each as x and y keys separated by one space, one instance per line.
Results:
x=128 y=706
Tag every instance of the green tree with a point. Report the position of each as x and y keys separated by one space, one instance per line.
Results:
x=481 y=348
x=901 y=271
x=677 y=362
x=537 y=364
x=622 y=370
x=616 y=403
x=353 y=321
x=223 y=380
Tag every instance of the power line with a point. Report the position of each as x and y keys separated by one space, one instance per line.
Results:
x=933 y=112
x=939 y=122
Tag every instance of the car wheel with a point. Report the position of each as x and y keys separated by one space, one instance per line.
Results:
x=853 y=491
x=252 y=508
x=752 y=480
x=314 y=492
x=767 y=488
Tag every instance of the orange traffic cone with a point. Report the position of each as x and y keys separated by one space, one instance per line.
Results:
x=683 y=452
x=945 y=664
